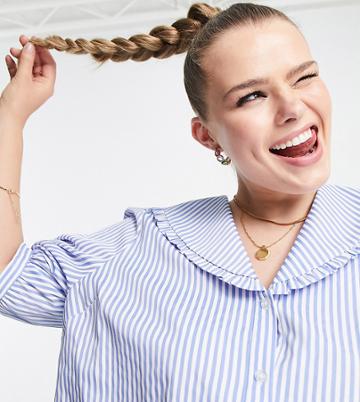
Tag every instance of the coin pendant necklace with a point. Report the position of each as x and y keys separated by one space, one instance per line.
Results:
x=263 y=251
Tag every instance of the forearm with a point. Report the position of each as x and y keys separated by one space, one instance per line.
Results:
x=11 y=149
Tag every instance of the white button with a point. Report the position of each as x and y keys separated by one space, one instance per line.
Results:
x=265 y=303
x=260 y=376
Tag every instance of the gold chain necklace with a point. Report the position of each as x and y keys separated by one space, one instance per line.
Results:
x=263 y=251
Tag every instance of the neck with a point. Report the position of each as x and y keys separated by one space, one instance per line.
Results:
x=277 y=206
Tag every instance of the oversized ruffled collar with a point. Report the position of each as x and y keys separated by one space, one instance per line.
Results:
x=205 y=232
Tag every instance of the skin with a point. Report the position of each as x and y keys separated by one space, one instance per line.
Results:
x=267 y=186
x=16 y=52
x=32 y=79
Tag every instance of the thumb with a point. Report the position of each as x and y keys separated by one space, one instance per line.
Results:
x=26 y=60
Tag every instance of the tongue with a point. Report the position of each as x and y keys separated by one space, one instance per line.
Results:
x=297 y=150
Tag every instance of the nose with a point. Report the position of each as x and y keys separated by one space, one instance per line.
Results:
x=289 y=107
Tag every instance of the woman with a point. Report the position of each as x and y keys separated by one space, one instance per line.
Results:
x=253 y=299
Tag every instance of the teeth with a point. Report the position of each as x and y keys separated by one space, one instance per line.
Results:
x=303 y=137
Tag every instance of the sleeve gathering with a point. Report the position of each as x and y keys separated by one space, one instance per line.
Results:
x=35 y=283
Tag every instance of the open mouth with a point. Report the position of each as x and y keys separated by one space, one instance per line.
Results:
x=300 y=150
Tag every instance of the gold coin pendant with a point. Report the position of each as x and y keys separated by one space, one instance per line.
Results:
x=262 y=254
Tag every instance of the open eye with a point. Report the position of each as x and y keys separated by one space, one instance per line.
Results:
x=247 y=98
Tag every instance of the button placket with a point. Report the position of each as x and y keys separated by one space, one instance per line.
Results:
x=260 y=376
x=266 y=300
x=265 y=303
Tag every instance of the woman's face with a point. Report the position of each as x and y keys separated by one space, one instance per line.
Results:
x=247 y=124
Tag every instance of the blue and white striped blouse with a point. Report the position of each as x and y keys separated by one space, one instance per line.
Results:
x=166 y=306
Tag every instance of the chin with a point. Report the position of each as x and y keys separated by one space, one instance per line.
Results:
x=309 y=185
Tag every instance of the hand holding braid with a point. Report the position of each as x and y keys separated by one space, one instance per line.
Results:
x=162 y=41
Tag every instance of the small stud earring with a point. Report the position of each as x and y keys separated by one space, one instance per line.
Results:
x=221 y=158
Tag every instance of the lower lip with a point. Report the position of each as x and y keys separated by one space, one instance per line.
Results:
x=306 y=159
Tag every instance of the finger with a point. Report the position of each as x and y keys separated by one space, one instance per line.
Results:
x=23 y=39
x=44 y=63
x=15 y=52
x=26 y=63
x=37 y=63
x=47 y=62
x=11 y=65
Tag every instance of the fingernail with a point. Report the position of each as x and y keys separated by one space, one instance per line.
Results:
x=29 y=47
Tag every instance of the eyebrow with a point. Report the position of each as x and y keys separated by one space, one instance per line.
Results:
x=257 y=81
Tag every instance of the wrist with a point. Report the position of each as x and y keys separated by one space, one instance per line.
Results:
x=9 y=123
x=9 y=119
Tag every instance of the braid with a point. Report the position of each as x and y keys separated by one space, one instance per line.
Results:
x=194 y=34
x=162 y=41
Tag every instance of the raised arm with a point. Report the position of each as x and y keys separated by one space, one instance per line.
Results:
x=31 y=83
x=11 y=145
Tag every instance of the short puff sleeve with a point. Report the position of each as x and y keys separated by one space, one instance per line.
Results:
x=35 y=283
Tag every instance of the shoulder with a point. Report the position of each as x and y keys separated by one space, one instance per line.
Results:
x=351 y=191
x=193 y=206
x=350 y=195
x=337 y=211
x=181 y=219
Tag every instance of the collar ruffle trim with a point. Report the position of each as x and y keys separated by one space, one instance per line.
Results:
x=253 y=283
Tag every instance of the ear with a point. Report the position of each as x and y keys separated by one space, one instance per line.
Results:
x=201 y=133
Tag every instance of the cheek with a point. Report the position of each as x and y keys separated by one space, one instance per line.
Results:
x=241 y=132
x=327 y=100
x=243 y=143
x=320 y=99
x=248 y=124
x=247 y=131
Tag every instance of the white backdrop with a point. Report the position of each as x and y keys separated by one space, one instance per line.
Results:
x=120 y=136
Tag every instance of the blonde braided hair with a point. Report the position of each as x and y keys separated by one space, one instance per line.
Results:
x=194 y=34
x=163 y=41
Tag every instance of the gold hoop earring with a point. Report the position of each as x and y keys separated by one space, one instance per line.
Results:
x=221 y=158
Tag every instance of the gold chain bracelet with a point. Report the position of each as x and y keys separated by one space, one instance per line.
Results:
x=9 y=191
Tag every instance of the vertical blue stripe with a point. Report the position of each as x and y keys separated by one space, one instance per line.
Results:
x=166 y=306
